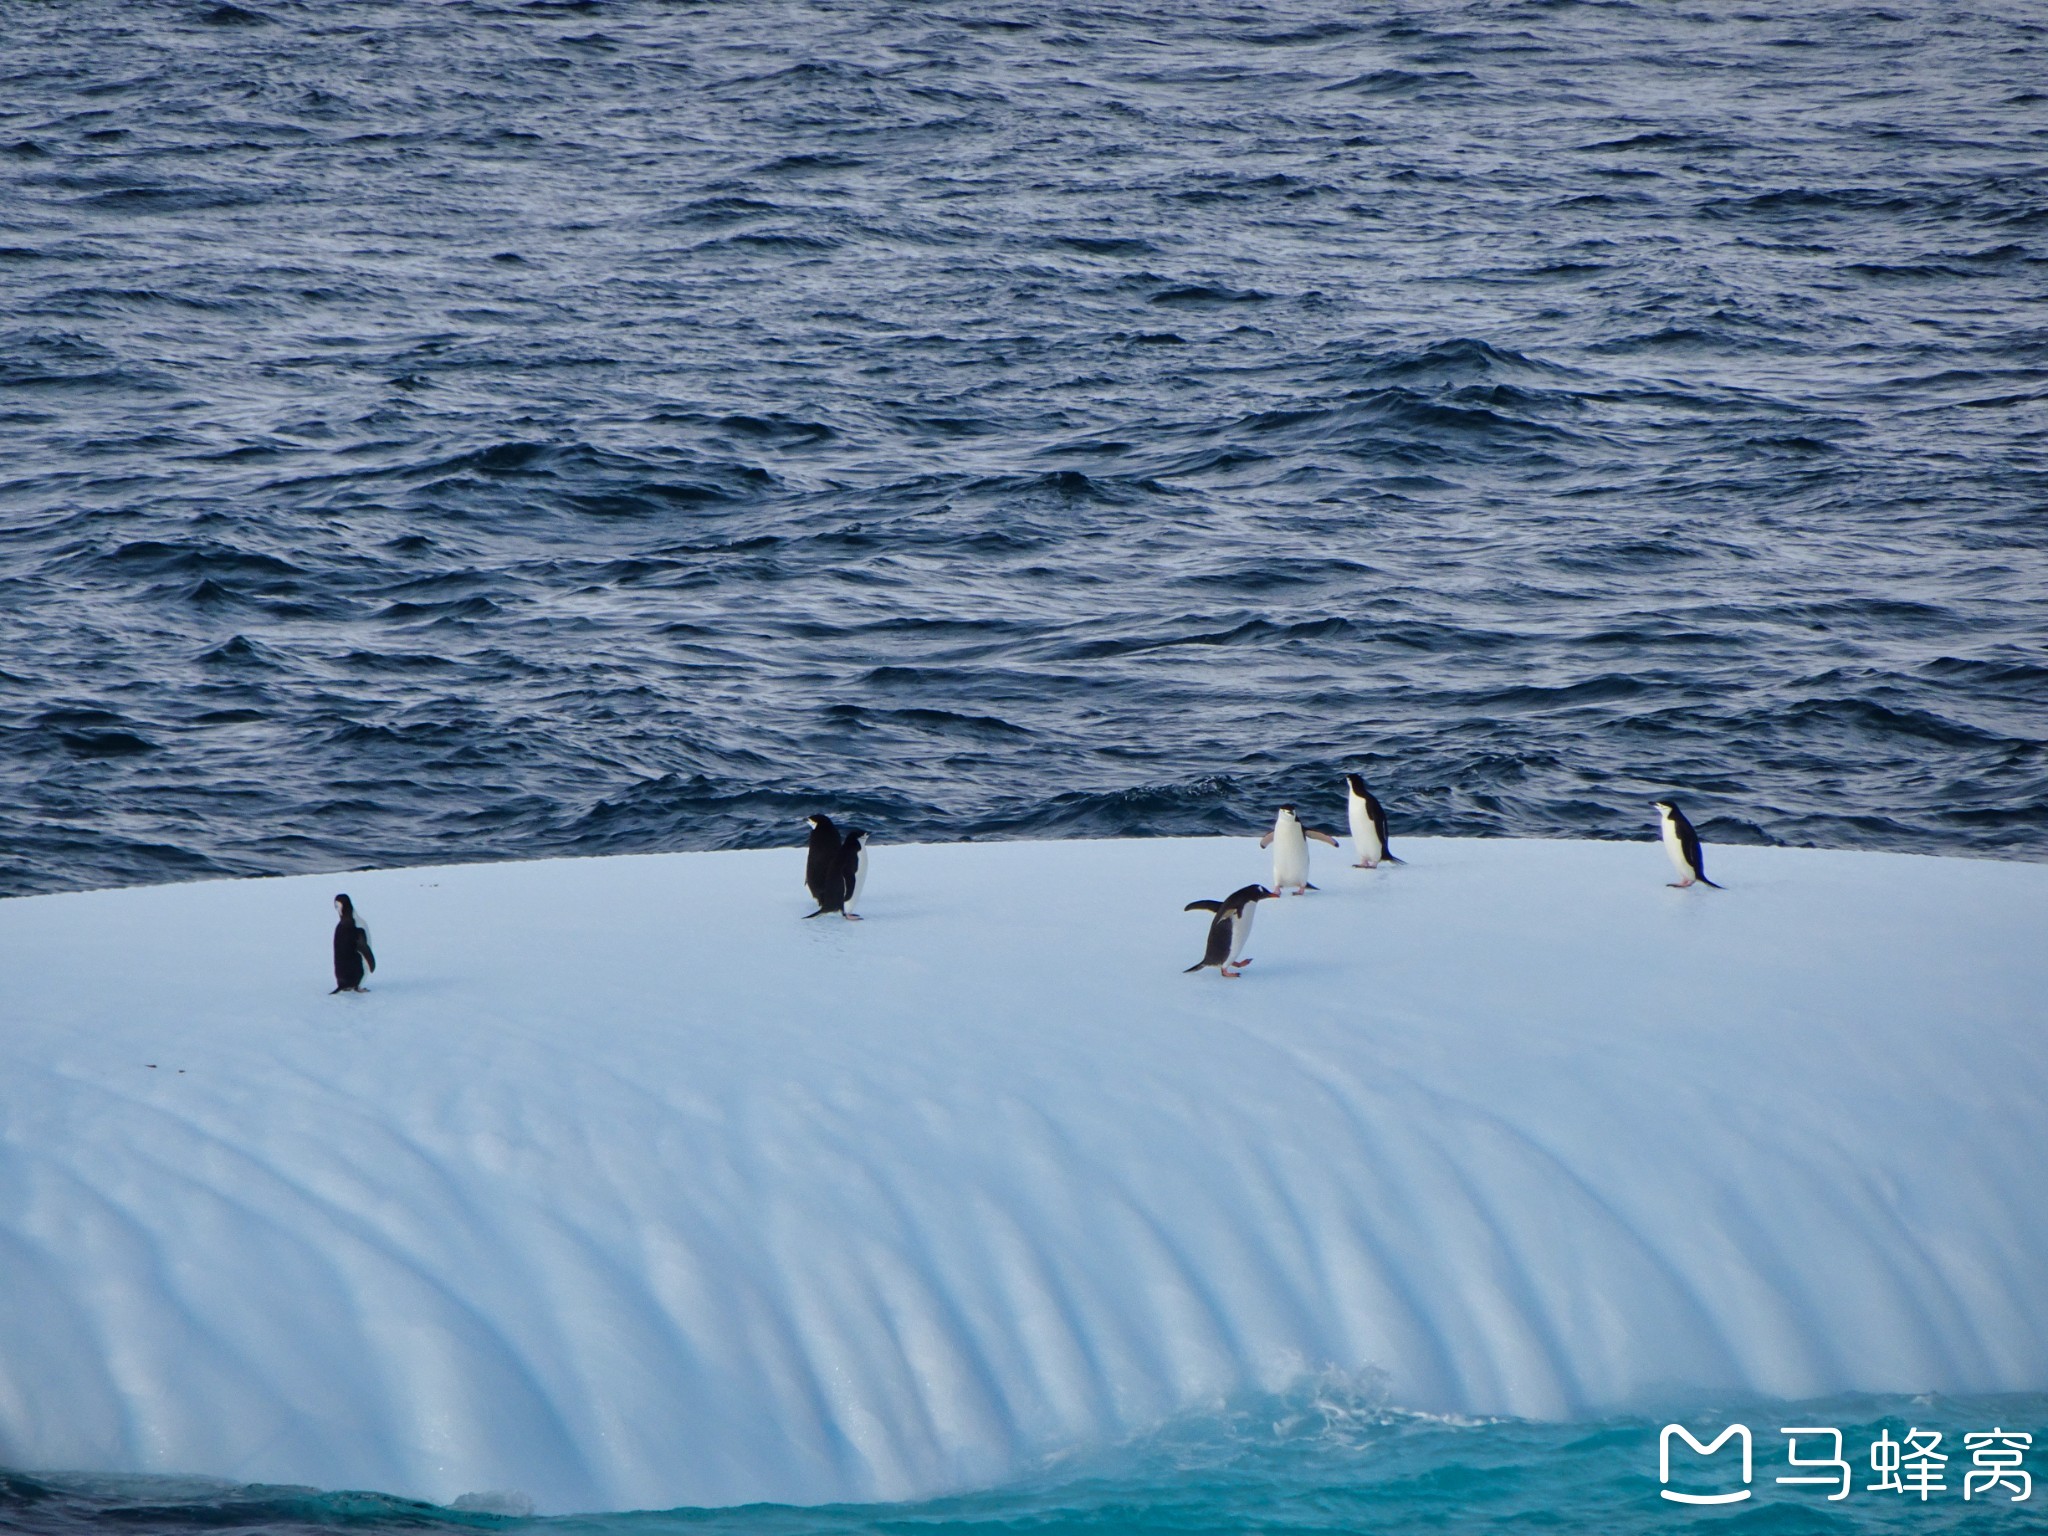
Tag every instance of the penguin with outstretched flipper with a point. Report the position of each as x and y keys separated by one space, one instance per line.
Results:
x=1230 y=929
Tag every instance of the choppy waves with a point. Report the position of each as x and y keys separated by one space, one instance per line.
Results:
x=506 y=430
x=1331 y=1456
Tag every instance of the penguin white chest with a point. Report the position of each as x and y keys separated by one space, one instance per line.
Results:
x=1290 y=855
x=1676 y=851
x=1365 y=837
x=1241 y=931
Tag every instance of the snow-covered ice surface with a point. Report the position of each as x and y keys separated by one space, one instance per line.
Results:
x=624 y=1188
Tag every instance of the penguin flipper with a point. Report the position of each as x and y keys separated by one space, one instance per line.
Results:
x=1203 y=906
x=1266 y=841
x=1321 y=837
x=363 y=948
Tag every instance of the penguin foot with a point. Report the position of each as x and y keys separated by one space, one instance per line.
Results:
x=1363 y=865
x=1676 y=885
x=1227 y=973
x=851 y=917
x=1241 y=964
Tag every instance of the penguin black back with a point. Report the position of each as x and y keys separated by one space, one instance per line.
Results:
x=853 y=860
x=1232 y=913
x=352 y=951
x=1364 y=799
x=1684 y=845
x=825 y=867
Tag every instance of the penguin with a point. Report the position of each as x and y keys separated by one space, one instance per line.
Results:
x=834 y=867
x=853 y=868
x=351 y=948
x=1288 y=840
x=1229 y=930
x=821 y=865
x=1683 y=844
x=1368 y=826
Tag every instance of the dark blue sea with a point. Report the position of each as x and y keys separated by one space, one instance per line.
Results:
x=456 y=431
x=461 y=431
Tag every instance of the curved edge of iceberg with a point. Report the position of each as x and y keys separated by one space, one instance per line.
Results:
x=626 y=1188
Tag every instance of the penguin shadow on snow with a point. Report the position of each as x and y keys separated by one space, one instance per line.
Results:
x=401 y=989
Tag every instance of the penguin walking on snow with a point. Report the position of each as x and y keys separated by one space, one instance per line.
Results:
x=835 y=868
x=854 y=866
x=1683 y=844
x=1229 y=930
x=1368 y=826
x=351 y=948
x=1289 y=842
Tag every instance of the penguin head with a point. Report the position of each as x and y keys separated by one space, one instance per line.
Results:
x=856 y=837
x=1356 y=784
x=1286 y=813
x=1666 y=807
x=817 y=819
x=344 y=906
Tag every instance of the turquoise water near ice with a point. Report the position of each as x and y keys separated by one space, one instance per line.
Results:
x=1322 y=1459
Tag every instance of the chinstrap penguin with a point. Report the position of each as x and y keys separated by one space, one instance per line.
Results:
x=1683 y=844
x=1368 y=826
x=1229 y=930
x=351 y=948
x=1289 y=842
x=853 y=851
x=835 y=867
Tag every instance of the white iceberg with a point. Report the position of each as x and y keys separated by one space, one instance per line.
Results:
x=625 y=1188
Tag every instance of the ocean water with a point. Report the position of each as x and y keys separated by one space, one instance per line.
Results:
x=490 y=430
x=477 y=430
x=1329 y=1458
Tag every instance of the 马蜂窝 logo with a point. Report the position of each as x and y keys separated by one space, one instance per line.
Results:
x=1909 y=1467
x=1733 y=1431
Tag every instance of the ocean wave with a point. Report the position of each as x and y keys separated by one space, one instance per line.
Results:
x=981 y=417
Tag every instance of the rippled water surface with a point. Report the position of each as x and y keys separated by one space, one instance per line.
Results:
x=460 y=430
x=1316 y=1461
